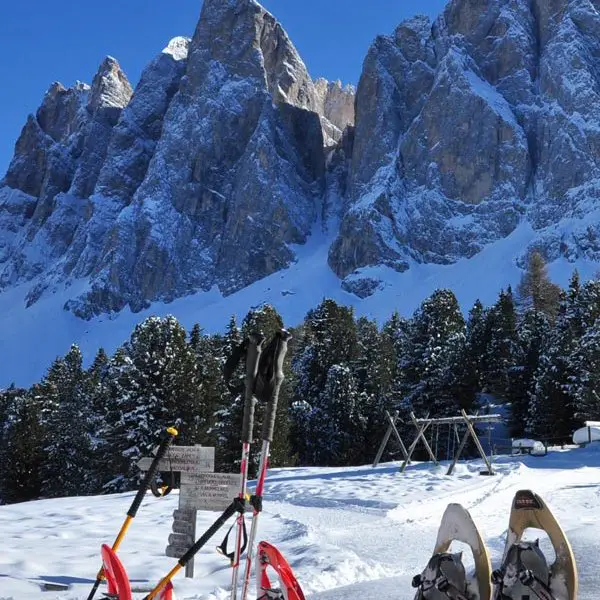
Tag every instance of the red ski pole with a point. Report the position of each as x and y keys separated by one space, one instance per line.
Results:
x=273 y=381
x=252 y=357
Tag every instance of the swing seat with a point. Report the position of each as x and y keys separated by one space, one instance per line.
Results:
x=486 y=472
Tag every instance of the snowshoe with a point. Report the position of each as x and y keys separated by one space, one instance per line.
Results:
x=119 y=587
x=289 y=588
x=525 y=572
x=445 y=577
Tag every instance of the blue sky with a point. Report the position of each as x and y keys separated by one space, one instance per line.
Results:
x=65 y=40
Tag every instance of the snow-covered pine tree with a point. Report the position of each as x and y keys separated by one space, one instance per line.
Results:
x=371 y=368
x=213 y=390
x=159 y=386
x=465 y=372
x=97 y=386
x=228 y=415
x=329 y=338
x=584 y=384
x=67 y=421
x=334 y=426
x=114 y=432
x=552 y=407
x=501 y=325
x=584 y=361
x=437 y=331
x=21 y=447
x=533 y=337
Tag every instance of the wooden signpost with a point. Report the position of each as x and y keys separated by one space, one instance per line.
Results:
x=200 y=489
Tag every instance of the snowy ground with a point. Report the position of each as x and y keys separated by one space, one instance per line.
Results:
x=348 y=532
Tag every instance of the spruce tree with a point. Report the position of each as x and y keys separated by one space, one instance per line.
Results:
x=533 y=338
x=437 y=330
x=67 y=421
x=159 y=387
x=466 y=370
x=329 y=338
x=553 y=402
x=499 y=358
x=21 y=448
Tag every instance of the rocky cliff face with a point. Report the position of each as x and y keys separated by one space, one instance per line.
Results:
x=471 y=125
x=228 y=154
x=204 y=176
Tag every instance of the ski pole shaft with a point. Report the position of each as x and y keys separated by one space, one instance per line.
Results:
x=236 y=506
x=171 y=433
x=255 y=342
x=267 y=436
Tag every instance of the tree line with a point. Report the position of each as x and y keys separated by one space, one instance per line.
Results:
x=81 y=430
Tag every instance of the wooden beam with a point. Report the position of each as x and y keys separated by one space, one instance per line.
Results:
x=421 y=429
x=429 y=450
x=459 y=451
x=477 y=442
x=458 y=420
x=393 y=426
x=386 y=438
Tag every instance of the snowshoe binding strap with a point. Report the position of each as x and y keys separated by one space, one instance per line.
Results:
x=444 y=578
x=524 y=571
x=222 y=548
x=275 y=594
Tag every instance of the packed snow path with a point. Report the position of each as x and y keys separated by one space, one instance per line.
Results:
x=348 y=532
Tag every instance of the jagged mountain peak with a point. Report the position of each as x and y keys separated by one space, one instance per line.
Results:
x=178 y=47
x=110 y=86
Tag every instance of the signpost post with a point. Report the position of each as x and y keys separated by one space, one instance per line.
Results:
x=200 y=489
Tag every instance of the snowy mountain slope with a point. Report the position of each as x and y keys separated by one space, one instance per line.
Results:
x=348 y=533
x=31 y=339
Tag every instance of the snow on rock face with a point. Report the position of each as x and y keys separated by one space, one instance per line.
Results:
x=335 y=104
x=221 y=208
x=467 y=126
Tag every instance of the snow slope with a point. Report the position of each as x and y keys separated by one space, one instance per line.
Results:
x=348 y=532
x=31 y=338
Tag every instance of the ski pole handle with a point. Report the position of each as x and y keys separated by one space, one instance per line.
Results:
x=252 y=356
x=271 y=408
x=162 y=450
x=237 y=505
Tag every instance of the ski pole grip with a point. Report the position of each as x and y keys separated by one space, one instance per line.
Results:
x=252 y=356
x=230 y=510
x=171 y=433
x=271 y=408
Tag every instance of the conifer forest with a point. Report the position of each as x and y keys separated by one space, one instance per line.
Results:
x=80 y=430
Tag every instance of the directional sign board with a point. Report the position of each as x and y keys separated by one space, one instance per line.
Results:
x=208 y=491
x=185 y=459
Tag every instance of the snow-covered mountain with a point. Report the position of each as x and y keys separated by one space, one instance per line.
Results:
x=348 y=532
x=229 y=174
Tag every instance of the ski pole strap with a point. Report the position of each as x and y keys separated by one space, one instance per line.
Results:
x=168 y=436
x=253 y=351
x=238 y=505
x=222 y=548
x=270 y=378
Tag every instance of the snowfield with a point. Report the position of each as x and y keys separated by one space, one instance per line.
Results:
x=353 y=532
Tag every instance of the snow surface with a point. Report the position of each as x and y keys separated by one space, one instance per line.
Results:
x=30 y=339
x=353 y=533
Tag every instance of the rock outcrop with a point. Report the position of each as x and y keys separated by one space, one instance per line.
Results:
x=204 y=176
x=471 y=125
